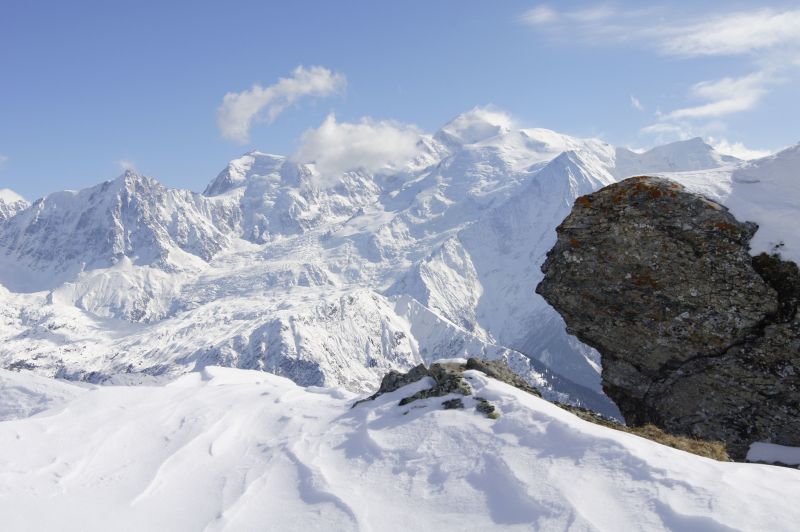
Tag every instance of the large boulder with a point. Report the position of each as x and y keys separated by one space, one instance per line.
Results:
x=697 y=337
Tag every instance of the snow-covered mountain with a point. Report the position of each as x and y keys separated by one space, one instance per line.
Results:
x=278 y=268
x=693 y=154
x=227 y=449
x=10 y=204
x=132 y=217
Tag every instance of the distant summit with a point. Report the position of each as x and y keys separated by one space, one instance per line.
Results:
x=11 y=203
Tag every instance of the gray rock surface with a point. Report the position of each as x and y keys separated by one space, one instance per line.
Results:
x=697 y=337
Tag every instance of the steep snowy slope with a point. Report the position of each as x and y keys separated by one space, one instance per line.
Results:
x=10 y=204
x=227 y=449
x=499 y=258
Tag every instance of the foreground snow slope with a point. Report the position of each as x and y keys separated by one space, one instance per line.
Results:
x=244 y=450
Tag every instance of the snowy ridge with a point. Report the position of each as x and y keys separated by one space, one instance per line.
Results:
x=244 y=450
x=335 y=283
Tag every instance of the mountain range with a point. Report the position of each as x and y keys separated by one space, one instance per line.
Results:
x=333 y=281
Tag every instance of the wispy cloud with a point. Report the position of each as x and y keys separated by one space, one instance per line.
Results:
x=371 y=145
x=768 y=38
x=733 y=34
x=724 y=96
x=539 y=15
x=671 y=33
x=3 y=159
x=240 y=109
x=636 y=104
x=126 y=165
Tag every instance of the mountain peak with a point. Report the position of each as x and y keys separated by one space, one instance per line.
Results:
x=476 y=125
x=131 y=177
x=11 y=203
x=9 y=196
x=239 y=170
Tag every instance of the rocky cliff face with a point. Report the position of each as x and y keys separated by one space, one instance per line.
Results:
x=697 y=336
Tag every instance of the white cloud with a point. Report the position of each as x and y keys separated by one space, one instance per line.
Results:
x=724 y=96
x=737 y=149
x=3 y=159
x=767 y=37
x=636 y=104
x=370 y=145
x=593 y=14
x=663 y=132
x=126 y=166
x=539 y=15
x=734 y=33
x=240 y=109
x=671 y=33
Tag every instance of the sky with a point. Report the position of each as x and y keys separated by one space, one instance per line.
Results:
x=177 y=89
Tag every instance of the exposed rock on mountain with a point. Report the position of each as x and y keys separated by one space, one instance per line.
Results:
x=697 y=337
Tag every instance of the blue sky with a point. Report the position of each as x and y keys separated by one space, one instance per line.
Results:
x=88 y=87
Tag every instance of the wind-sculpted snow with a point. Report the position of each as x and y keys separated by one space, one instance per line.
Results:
x=227 y=449
x=135 y=279
x=24 y=394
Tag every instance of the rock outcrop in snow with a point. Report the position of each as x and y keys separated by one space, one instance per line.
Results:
x=696 y=336
x=447 y=378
